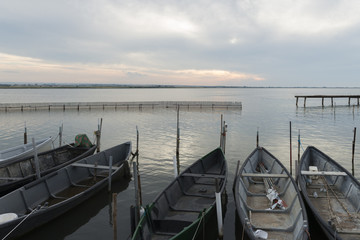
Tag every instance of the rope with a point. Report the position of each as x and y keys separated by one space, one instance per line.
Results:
x=34 y=210
x=301 y=145
x=197 y=228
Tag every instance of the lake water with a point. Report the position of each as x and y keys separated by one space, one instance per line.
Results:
x=266 y=110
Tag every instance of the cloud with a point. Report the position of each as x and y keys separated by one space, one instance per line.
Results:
x=280 y=42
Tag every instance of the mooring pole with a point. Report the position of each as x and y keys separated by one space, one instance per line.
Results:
x=298 y=160
x=224 y=136
x=137 y=165
x=219 y=209
x=98 y=136
x=221 y=132
x=60 y=134
x=177 y=139
x=257 y=138
x=36 y=159
x=175 y=167
x=25 y=135
x=110 y=172
x=290 y=152
x=353 y=152
x=137 y=204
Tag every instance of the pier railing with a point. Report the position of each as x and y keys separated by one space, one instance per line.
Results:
x=349 y=97
x=147 y=104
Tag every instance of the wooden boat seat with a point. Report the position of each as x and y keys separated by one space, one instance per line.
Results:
x=202 y=175
x=265 y=175
x=169 y=227
x=102 y=167
x=323 y=173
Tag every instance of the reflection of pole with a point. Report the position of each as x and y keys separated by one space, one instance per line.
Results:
x=290 y=152
x=114 y=215
x=353 y=152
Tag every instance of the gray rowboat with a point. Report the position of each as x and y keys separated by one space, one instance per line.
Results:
x=331 y=193
x=267 y=199
x=184 y=208
x=47 y=198
x=19 y=172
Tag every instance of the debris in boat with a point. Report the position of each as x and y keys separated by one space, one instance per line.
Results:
x=315 y=195
x=261 y=234
x=275 y=200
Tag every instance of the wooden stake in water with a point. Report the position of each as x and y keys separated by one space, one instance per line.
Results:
x=221 y=132
x=98 y=136
x=137 y=203
x=25 y=135
x=353 y=152
x=290 y=151
x=298 y=160
x=110 y=172
x=60 y=134
x=175 y=167
x=177 y=140
x=137 y=165
x=36 y=159
x=257 y=138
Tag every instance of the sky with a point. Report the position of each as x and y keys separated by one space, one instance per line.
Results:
x=277 y=43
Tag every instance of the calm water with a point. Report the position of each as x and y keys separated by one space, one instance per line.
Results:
x=268 y=111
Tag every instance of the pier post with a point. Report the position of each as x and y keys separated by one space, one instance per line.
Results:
x=297 y=100
x=98 y=136
x=304 y=101
x=257 y=137
x=353 y=152
x=60 y=134
x=290 y=152
x=110 y=172
x=64 y=107
x=332 y=101
x=358 y=101
x=322 y=102
x=349 y=101
x=137 y=203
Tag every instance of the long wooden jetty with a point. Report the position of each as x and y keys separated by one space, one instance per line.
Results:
x=349 y=97
x=121 y=105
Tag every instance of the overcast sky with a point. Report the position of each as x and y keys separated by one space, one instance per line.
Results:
x=287 y=43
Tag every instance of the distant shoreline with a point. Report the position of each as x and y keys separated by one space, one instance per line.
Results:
x=115 y=86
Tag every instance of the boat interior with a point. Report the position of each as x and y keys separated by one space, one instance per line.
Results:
x=285 y=221
x=333 y=193
x=184 y=200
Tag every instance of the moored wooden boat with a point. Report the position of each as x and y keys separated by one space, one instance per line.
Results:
x=25 y=150
x=331 y=193
x=268 y=202
x=187 y=203
x=19 y=172
x=48 y=197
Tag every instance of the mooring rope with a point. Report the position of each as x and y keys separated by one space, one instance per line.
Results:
x=34 y=210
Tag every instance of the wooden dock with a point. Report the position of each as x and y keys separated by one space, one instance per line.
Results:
x=118 y=105
x=349 y=97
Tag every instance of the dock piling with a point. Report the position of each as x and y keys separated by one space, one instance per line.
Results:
x=219 y=209
x=353 y=152
x=290 y=152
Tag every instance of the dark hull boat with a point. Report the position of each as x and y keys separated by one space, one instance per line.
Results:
x=182 y=210
x=268 y=202
x=22 y=171
x=41 y=201
x=331 y=193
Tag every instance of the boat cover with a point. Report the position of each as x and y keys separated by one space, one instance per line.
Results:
x=82 y=140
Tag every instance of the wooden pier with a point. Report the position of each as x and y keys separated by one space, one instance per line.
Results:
x=118 y=105
x=349 y=97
